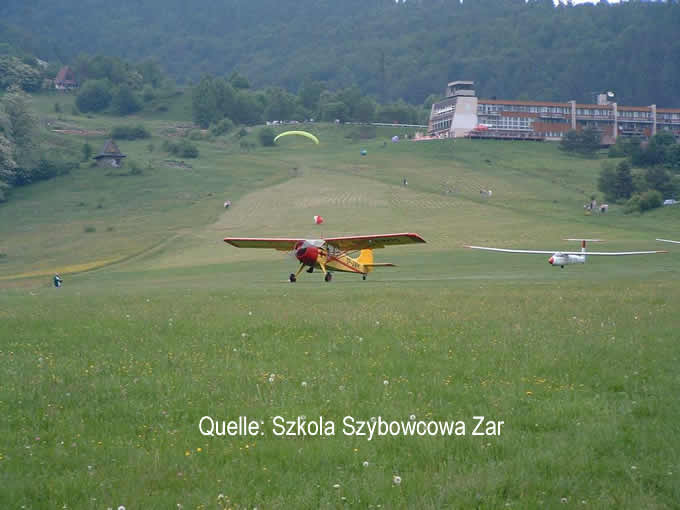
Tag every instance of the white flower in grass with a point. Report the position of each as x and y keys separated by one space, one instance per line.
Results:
x=386 y=382
x=336 y=486
x=396 y=480
x=121 y=507
x=412 y=417
x=303 y=384
x=365 y=463
x=563 y=500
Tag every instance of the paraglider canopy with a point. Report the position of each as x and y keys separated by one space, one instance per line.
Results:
x=300 y=133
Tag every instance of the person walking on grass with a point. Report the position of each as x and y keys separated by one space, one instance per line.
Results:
x=57 y=281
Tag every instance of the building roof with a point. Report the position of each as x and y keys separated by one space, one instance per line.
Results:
x=110 y=150
x=65 y=75
x=578 y=105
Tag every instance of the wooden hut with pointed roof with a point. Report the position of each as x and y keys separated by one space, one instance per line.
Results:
x=110 y=155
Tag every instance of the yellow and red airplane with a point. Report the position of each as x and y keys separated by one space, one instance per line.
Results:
x=331 y=253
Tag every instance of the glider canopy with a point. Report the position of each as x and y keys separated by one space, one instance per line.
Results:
x=300 y=133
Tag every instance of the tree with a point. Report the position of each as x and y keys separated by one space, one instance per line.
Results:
x=282 y=105
x=658 y=178
x=94 y=96
x=623 y=186
x=309 y=94
x=584 y=142
x=20 y=126
x=616 y=183
x=15 y=72
x=125 y=101
x=239 y=81
x=267 y=136
x=204 y=103
x=606 y=182
x=87 y=151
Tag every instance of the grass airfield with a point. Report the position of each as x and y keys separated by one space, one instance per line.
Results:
x=105 y=380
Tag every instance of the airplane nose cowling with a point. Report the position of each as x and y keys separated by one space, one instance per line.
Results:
x=551 y=260
x=307 y=255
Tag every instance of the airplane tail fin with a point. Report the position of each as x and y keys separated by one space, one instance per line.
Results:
x=366 y=258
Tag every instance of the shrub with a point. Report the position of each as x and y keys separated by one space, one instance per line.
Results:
x=195 y=135
x=183 y=148
x=632 y=205
x=222 y=127
x=89 y=229
x=641 y=202
x=135 y=169
x=650 y=200
x=94 y=96
x=130 y=132
x=267 y=136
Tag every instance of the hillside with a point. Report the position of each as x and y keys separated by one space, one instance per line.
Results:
x=170 y=214
x=512 y=49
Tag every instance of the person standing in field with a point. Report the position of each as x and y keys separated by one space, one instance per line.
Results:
x=57 y=281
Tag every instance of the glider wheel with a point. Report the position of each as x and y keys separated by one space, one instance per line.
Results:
x=363 y=277
x=292 y=278
x=328 y=277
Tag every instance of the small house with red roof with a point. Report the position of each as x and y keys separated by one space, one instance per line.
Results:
x=66 y=79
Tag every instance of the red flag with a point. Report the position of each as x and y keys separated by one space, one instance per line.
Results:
x=318 y=220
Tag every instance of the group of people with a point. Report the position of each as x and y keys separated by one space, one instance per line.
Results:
x=593 y=207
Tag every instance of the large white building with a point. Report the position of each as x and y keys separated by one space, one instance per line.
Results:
x=462 y=114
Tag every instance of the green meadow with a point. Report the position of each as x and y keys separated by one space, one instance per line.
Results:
x=103 y=382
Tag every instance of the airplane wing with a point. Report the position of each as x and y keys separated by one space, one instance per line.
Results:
x=668 y=241
x=543 y=252
x=504 y=250
x=372 y=241
x=276 y=243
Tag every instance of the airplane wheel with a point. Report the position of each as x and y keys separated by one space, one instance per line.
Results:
x=328 y=277
x=363 y=277
x=292 y=278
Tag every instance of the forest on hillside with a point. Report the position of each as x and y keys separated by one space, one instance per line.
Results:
x=512 y=49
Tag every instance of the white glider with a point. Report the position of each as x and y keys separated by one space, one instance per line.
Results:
x=563 y=258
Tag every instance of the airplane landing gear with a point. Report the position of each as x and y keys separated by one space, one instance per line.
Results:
x=363 y=277
x=328 y=277
x=292 y=278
